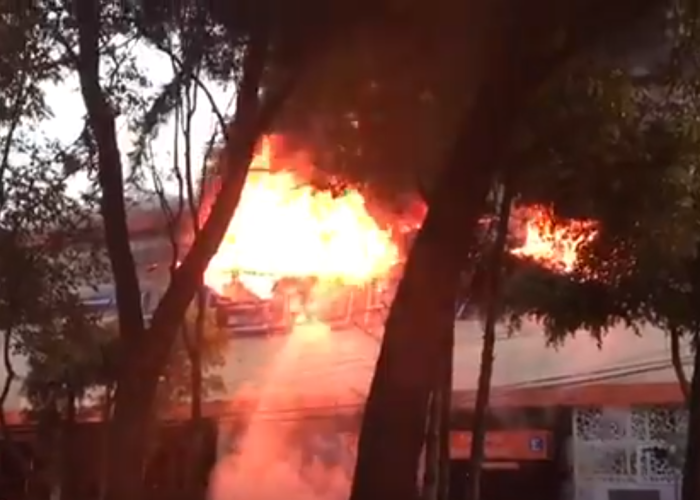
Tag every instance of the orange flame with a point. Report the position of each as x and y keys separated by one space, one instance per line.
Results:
x=553 y=243
x=283 y=227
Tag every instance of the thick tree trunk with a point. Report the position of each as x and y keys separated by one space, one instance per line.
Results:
x=408 y=368
x=487 y=351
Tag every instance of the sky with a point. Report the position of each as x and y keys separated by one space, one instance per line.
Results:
x=66 y=103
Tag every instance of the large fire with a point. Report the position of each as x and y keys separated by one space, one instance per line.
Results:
x=285 y=228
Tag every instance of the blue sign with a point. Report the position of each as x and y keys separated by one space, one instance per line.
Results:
x=107 y=301
x=537 y=444
x=100 y=301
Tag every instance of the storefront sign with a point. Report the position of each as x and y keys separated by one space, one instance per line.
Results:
x=504 y=445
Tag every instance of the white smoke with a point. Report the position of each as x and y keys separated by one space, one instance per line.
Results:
x=296 y=459
x=270 y=464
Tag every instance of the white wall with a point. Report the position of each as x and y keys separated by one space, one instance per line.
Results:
x=340 y=367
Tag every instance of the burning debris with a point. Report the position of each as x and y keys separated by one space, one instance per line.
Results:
x=553 y=243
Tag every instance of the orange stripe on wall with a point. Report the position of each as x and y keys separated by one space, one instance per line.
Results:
x=504 y=445
x=585 y=395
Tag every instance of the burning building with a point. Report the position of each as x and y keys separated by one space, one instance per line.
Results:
x=576 y=422
x=302 y=282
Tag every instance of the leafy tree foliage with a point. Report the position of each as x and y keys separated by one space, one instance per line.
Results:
x=42 y=269
x=623 y=169
x=634 y=173
x=87 y=359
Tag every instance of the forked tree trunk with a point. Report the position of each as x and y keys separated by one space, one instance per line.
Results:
x=137 y=384
x=493 y=282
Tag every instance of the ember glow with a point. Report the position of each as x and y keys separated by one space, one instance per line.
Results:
x=553 y=243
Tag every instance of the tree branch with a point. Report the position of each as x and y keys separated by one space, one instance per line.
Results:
x=200 y=84
x=15 y=118
x=677 y=361
x=110 y=173
x=236 y=156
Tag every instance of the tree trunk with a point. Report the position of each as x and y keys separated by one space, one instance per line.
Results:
x=408 y=368
x=196 y=355
x=446 y=420
x=145 y=353
x=493 y=283
x=677 y=361
x=104 y=439
x=46 y=483
x=437 y=477
x=432 y=448
x=69 y=467
x=101 y=118
x=193 y=481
